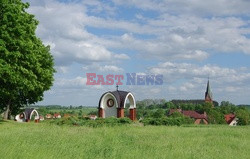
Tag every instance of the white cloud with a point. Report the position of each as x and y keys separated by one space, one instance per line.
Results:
x=75 y=83
x=62 y=25
x=175 y=36
x=187 y=70
x=122 y=56
x=193 y=7
x=183 y=31
x=95 y=67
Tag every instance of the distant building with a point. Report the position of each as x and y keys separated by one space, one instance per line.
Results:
x=208 y=94
x=48 y=116
x=231 y=119
x=199 y=118
x=66 y=115
x=93 y=117
x=57 y=116
x=41 y=118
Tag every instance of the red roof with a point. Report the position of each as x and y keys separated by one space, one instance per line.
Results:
x=171 y=111
x=229 y=117
x=194 y=114
x=190 y=113
x=48 y=116
x=56 y=114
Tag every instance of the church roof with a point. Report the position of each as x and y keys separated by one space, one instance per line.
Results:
x=119 y=95
x=189 y=113
x=28 y=112
x=194 y=114
x=208 y=93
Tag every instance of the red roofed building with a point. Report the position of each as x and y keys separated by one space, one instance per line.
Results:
x=48 y=116
x=171 y=111
x=231 y=119
x=57 y=116
x=199 y=118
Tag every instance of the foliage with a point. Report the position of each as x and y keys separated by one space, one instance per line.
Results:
x=169 y=121
x=176 y=115
x=243 y=116
x=26 y=65
x=79 y=111
x=99 y=122
x=215 y=116
x=159 y=113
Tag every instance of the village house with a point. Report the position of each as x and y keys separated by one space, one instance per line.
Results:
x=231 y=119
x=198 y=118
x=41 y=118
x=66 y=115
x=92 y=117
x=57 y=116
x=48 y=116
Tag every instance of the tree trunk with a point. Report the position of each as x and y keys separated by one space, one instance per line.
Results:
x=7 y=111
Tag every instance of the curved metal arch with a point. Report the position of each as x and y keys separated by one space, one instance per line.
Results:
x=133 y=100
x=101 y=105
x=37 y=115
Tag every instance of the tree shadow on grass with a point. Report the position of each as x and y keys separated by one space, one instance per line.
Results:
x=2 y=121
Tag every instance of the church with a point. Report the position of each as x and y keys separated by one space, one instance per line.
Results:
x=208 y=94
x=113 y=103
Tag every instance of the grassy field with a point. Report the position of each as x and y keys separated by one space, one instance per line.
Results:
x=43 y=140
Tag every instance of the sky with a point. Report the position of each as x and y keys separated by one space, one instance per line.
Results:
x=186 y=41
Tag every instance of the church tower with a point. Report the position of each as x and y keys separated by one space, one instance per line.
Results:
x=208 y=94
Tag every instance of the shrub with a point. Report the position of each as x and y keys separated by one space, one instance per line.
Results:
x=124 y=120
x=72 y=120
x=170 y=121
x=243 y=117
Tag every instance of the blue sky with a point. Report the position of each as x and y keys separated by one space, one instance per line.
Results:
x=185 y=41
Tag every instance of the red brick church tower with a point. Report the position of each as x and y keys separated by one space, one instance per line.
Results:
x=208 y=94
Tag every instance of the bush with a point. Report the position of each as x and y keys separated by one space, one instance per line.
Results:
x=243 y=117
x=72 y=120
x=170 y=121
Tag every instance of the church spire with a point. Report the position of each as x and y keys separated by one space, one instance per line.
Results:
x=208 y=94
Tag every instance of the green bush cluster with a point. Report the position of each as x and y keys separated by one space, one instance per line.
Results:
x=72 y=120
x=169 y=121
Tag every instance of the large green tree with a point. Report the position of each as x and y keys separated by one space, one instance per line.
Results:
x=26 y=65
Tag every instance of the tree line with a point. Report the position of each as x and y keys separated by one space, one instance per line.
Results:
x=150 y=108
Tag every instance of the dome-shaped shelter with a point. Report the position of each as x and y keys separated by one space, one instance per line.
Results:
x=26 y=116
x=114 y=103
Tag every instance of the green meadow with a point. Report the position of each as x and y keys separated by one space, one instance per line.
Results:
x=44 y=140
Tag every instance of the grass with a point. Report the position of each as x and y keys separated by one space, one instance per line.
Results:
x=30 y=140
